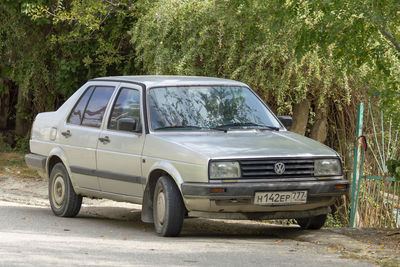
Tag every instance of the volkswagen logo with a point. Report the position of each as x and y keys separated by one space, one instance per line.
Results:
x=279 y=168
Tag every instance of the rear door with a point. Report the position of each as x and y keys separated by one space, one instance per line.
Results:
x=121 y=143
x=80 y=134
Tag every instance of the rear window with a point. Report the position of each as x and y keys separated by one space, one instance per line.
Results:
x=77 y=113
x=96 y=107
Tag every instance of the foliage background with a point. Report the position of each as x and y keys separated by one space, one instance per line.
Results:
x=305 y=58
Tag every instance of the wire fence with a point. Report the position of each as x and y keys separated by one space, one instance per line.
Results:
x=379 y=203
x=375 y=200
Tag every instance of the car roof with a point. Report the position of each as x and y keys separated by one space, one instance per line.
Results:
x=170 y=80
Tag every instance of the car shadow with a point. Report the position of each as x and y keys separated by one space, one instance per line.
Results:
x=199 y=227
x=128 y=221
x=239 y=229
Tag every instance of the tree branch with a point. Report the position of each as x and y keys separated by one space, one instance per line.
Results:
x=390 y=37
x=56 y=16
x=112 y=3
x=384 y=32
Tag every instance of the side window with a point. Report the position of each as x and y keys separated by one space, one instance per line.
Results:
x=97 y=106
x=125 y=114
x=77 y=113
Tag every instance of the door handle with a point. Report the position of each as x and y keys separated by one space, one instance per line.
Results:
x=66 y=134
x=104 y=139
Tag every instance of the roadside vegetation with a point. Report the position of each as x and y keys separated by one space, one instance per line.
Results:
x=13 y=164
x=314 y=60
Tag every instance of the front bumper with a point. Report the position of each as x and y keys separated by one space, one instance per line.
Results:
x=240 y=190
x=239 y=197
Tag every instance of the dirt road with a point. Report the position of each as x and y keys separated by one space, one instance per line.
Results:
x=111 y=234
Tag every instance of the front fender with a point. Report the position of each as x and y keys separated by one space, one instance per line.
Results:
x=170 y=169
x=147 y=203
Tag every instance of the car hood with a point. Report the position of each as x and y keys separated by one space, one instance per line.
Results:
x=249 y=144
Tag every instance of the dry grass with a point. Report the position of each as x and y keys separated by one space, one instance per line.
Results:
x=14 y=164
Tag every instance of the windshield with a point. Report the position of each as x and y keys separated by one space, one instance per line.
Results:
x=208 y=107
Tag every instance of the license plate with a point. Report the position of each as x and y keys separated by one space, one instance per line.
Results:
x=280 y=198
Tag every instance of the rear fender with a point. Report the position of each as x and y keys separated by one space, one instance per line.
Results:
x=60 y=153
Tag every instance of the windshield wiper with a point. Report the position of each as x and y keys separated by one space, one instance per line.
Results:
x=179 y=127
x=221 y=127
x=238 y=124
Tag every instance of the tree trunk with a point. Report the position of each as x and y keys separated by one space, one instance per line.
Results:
x=4 y=106
x=300 y=116
x=22 y=122
x=319 y=131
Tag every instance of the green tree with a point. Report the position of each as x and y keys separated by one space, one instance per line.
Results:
x=24 y=71
x=356 y=33
x=239 y=40
x=95 y=30
x=299 y=55
x=360 y=30
x=49 y=48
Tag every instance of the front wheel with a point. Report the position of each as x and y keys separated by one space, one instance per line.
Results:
x=168 y=208
x=63 y=200
x=315 y=222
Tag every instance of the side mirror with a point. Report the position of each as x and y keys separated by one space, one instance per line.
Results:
x=126 y=124
x=287 y=121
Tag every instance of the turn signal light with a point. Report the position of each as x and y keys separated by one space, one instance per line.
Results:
x=340 y=186
x=218 y=190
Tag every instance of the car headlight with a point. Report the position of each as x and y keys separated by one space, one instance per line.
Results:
x=327 y=167
x=224 y=169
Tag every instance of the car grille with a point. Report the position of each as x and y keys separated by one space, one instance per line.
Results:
x=264 y=168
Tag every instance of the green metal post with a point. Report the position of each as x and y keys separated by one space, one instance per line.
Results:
x=360 y=114
x=359 y=182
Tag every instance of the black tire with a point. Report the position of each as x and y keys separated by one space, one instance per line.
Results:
x=313 y=223
x=168 y=208
x=64 y=201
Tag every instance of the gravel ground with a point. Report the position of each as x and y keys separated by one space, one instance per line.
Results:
x=379 y=246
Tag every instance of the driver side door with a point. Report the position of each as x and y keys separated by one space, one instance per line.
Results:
x=120 y=145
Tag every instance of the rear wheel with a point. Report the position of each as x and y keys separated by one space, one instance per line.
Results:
x=168 y=208
x=64 y=201
x=314 y=223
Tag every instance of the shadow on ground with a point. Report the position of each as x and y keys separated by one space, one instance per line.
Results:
x=126 y=219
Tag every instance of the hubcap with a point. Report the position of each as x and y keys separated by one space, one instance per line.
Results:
x=161 y=207
x=58 y=191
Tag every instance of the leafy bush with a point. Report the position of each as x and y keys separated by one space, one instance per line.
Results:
x=22 y=144
x=12 y=143
x=4 y=146
x=333 y=221
x=238 y=40
x=394 y=168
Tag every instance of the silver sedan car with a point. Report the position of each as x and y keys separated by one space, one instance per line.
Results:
x=182 y=147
